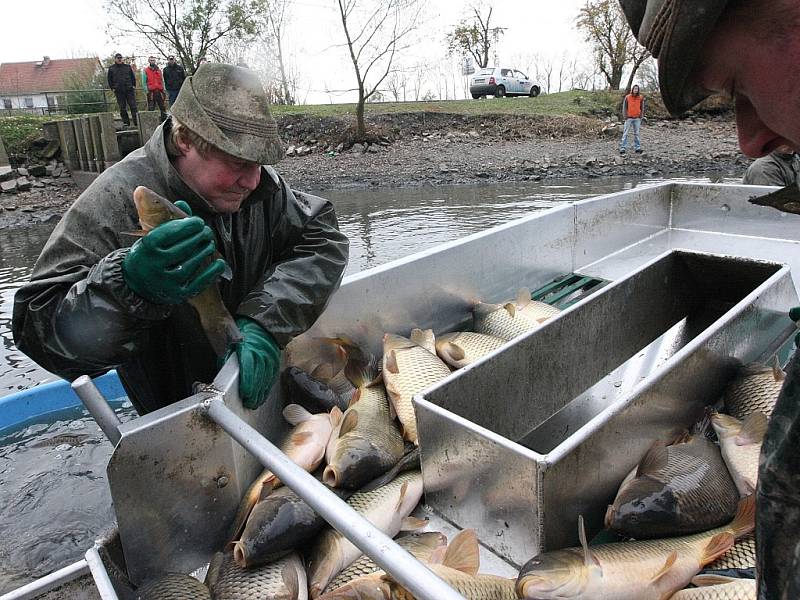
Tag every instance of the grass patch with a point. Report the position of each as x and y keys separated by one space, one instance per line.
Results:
x=564 y=103
x=18 y=132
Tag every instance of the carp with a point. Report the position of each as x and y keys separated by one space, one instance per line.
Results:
x=740 y=442
x=677 y=489
x=312 y=394
x=284 y=579
x=409 y=367
x=462 y=348
x=717 y=587
x=755 y=389
x=642 y=570
x=512 y=319
x=216 y=320
x=173 y=586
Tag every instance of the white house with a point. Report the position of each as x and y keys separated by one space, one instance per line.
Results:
x=23 y=85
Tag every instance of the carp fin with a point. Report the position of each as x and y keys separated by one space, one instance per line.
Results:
x=523 y=297
x=589 y=559
x=654 y=460
x=424 y=338
x=709 y=579
x=349 y=422
x=390 y=363
x=296 y=414
x=412 y=524
x=290 y=580
x=668 y=564
x=403 y=492
x=510 y=309
x=454 y=351
x=745 y=520
x=301 y=438
x=777 y=373
x=354 y=398
x=717 y=546
x=463 y=554
x=753 y=429
x=336 y=415
x=138 y=233
x=266 y=489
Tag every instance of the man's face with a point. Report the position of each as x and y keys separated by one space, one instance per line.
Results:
x=171 y=60
x=118 y=59
x=760 y=72
x=223 y=180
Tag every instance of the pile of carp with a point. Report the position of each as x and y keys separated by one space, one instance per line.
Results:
x=686 y=507
x=354 y=428
x=689 y=506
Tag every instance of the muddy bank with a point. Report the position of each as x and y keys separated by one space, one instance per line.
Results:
x=432 y=149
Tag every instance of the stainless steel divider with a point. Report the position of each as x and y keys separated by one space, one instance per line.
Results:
x=34 y=589
x=407 y=570
x=98 y=406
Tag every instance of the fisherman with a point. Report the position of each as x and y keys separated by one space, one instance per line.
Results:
x=99 y=300
x=780 y=167
x=632 y=114
x=730 y=46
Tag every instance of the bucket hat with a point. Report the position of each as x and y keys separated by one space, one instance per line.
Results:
x=227 y=107
x=675 y=32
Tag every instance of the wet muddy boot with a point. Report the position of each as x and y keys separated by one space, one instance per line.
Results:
x=778 y=494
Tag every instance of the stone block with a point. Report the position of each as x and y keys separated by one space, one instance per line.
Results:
x=108 y=139
x=7 y=173
x=68 y=143
x=24 y=184
x=3 y=155
x=149 y=120
x=37 y=170
x=22 y=172
x=8 y=187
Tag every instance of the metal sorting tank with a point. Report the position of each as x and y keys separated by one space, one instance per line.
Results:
x=522 y=442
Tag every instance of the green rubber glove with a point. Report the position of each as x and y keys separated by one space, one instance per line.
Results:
x=259 y=361
x=168 y=265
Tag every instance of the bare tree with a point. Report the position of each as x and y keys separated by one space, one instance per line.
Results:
x=375 y=30
x=615 y=46
x=277 y=18
x=189 y=29
x=474 y=35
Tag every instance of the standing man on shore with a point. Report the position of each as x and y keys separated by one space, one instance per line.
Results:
x=155 y=87
x=97 y=301
x=123 y=82
x=174 y=76
x=632 y=114
x=749 y=49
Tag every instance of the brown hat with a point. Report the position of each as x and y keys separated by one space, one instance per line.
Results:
x=675 y=32
x=227 y=107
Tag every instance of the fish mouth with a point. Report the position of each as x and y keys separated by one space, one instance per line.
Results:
x=239 y=555
x=330 y=476
x=611 y=512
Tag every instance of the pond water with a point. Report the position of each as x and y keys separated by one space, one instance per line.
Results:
x=54 y=500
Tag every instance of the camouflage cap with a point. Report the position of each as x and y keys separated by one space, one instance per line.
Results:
x=675 y=32
x=227 y=106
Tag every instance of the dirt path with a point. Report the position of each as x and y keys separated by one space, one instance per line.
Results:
x=449 y=152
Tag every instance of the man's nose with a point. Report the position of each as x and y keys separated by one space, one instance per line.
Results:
x=755 y=138
x=250 y=177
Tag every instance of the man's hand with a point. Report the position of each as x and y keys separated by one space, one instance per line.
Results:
x=259 y=361
x=167 y=266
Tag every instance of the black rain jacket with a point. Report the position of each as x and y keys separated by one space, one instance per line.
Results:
x=77 y=316
x=173 y=76
x=121 y=77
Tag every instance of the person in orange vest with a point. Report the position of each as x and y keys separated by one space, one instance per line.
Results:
x=155 y=87
x=632 y=113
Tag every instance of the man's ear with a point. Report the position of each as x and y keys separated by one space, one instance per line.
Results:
x=182 y=145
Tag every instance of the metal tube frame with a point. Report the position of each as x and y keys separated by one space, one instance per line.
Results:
x=98 y=406
x=36 y=588
x=406 y=569
x=100 y=575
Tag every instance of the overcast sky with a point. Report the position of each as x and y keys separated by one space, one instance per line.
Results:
x=71 y=28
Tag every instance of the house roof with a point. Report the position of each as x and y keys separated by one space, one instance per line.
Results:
x=44 y=75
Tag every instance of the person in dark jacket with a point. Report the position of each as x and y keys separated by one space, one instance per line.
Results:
x=94 y=302
x=123 y=82
x=174 y=76
x=750 y=50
